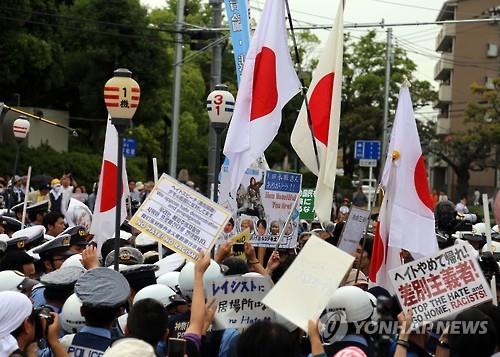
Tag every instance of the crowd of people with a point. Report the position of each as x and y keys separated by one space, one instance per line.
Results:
x=60 y=296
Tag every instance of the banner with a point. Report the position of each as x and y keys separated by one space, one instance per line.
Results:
x=238 y=18
x=262 y=204
x=304 y=290
x=306 y=205
x=78 y=214
x=355 y=225
x=239 y=301
x=180 y=218
x=442 y=285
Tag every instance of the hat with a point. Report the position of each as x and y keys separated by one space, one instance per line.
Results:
x=473 y=237
x=10 y=224
x=495 y=249
x=33 y=234
x=102 y=287
x=126 y=255
x=124 y=235
x=77 y=234
x=329 y=227
x=139 y=186
x=55 y=181
x=39 y=207
x=14 y=309
x=15 y=259
x=144 y=240
x=16 y=178
x=12 y=280
x=344 y=209
x=351 y=278
x=19 y=207
x=130 y=347
x=44 y=186
x=139 y=275
x=59 y=245
x=63 y=277
x=353 y=301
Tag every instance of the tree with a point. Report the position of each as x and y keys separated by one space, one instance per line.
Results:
x=363 y=91
x=477 y=146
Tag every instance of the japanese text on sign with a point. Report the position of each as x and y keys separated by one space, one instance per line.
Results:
x=239 y=301
x=442 y=285
x=180 y=218
x=353 y=229
x=307 y=204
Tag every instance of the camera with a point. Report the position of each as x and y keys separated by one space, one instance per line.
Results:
x=39 y=314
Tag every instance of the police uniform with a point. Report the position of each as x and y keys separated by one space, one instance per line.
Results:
x=26 y=238
x=10 y=224
x=100 y=288
x=139 y=275
x=78 y=235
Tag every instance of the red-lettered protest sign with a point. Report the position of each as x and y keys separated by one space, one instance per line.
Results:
x=442 y=285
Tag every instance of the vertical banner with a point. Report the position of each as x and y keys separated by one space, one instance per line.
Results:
x=307 y=204
x=237 y=18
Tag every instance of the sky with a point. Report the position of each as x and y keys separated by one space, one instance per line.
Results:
x=419 y=41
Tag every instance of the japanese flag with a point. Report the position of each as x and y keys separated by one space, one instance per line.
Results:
x=103 y=219
x=268 y=82
x=406 y=219
x=324 y=96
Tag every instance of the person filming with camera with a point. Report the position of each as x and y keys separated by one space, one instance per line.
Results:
x=21 y=327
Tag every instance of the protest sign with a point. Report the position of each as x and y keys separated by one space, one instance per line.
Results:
x=239 y=301
x=180 y=218
x=263 y=203
x=78 y=214
x=304 y=290
x=241 y=238
x=353 y=230
x=307 y=204
x=442 y=285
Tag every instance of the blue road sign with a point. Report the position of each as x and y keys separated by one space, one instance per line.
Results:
x=129 y=146
x=367 y=149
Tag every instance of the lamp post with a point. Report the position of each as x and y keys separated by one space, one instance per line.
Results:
x=121 y=96
x=20 y=128
x=220 y=105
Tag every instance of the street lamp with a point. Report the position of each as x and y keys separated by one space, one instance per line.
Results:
x=220 y=105
x=121 y=96
x=20 y=128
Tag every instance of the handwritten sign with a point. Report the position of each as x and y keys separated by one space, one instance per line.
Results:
x=439 y=286
x=180 y=218
x=304 y=290
x=239 y=301
x=353 y=229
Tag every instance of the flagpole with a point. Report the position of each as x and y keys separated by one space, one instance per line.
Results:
x=303 y=87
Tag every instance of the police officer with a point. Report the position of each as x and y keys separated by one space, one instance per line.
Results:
x=9 y=225
x=27 y=238
x=78 y=241
x=54 y=253
x=37 y=211
x=126 y=256
x=139 y=276
x=58 y=286
x=103 y=292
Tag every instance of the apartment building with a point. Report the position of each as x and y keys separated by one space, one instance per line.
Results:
x=469 y=53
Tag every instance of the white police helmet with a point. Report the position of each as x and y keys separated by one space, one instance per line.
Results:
x=13 y=280
x=479 y=228
x=72 y=320
x=161 y=293
x=73 y=261
x=170 y=279
x=186 y=277
x=354 y=301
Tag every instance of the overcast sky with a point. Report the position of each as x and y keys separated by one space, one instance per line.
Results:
x=412 y=38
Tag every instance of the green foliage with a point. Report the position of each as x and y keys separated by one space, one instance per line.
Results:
x=44 y=160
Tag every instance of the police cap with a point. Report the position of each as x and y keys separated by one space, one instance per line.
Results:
x=102 y=287
x=127 y=256
x=10 y=224
x=59 y=245
x=77 y=233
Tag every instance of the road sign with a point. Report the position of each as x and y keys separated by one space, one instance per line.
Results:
x=129 y=147
x=367 y=163
x=367 y=149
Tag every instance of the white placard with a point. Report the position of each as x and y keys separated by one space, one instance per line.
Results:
x=304 y=290
x=367 y=163
x=180 y=218
x=353 y=230
x=239 y=301
x=442 y=285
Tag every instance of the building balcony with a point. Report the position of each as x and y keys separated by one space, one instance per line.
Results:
x=444 y=93
x=443 y=125
x=443 y=67
x=444 y=40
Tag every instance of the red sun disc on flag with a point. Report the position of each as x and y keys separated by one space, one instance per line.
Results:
x=265 y=88
x=108 y=189
x=320 y=105
x=421 y=185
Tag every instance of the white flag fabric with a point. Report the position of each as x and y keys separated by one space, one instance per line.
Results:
x=324 y=96
x=268 y=82
x=103 y=219
x=406 y=219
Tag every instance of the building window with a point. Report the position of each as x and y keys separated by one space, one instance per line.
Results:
x=489 y=83
x=492 y=50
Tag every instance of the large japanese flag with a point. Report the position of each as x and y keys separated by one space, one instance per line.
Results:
x=103 y=220
x=406 y=219
x=268 y=82
x=324 y=97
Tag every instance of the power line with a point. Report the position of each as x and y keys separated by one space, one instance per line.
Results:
x=406 y=5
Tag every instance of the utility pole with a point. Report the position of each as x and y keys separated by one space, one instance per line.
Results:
x=177 y=87
x=388 y=62
x=215 y=78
